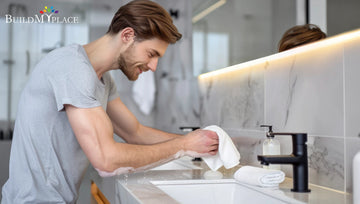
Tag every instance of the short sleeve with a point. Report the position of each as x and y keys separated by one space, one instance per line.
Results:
x=77 y=88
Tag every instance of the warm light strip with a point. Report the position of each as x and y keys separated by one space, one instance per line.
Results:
x=208 y=10
x=322 y=43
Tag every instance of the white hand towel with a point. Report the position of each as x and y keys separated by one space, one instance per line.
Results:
x=227 y=154
x=143 y=92
x=259 y=176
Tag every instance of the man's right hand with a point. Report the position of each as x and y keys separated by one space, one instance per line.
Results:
x=201 y=143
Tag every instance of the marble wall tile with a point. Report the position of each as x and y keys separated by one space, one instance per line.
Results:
x=304 y=93
x=326 y=162
x=352 y=84
x=249 y=144
x=177 y=97
x=325 y=159
x=299 y=93
x=234 y=100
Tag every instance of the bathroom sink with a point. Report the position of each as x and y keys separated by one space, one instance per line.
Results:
x=220 y=191
x=183 y=163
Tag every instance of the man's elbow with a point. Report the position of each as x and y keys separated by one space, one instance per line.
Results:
x=105 y=162
x=111 y=171
x=107 y=166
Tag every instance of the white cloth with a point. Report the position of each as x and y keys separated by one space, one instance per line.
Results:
x=259 y=176
x=143 y=92
x=227 y=154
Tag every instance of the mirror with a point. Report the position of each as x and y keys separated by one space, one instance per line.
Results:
x=236 y=31
x=342 y=16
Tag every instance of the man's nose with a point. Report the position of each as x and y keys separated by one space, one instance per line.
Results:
x=153 y=64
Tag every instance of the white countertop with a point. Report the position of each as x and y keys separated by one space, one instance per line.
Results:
x=137 y=187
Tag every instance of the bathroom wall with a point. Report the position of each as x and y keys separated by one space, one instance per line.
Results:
x=177 y=97
x=312 y=89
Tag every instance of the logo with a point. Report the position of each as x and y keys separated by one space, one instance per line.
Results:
x=48 y=10
x=47 y=16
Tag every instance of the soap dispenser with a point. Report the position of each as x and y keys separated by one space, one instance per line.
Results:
x=271 y=146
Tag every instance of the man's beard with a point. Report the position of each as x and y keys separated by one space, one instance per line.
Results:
x=126 y=65
x=127 y=69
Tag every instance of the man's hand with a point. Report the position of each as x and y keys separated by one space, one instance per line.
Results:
x=202 y=142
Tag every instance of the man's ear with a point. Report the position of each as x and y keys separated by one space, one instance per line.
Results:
x=127 y=34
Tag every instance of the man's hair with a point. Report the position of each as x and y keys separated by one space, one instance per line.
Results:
x=300 y=35
x=148 y=19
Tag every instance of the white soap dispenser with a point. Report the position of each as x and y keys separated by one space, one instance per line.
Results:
x=271 y=146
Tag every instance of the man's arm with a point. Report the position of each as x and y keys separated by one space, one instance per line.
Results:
x=127 y=126
x=94 y=132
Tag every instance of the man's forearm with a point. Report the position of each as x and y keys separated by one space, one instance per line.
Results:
x=136 y=133
x=148 y=135
x=131 y=156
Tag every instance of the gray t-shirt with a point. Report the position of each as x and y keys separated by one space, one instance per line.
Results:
x=46 y=162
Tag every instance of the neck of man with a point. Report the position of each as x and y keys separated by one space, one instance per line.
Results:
x=102 y=54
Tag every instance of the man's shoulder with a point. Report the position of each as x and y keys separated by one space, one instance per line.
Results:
x=73 y=52
x=68 y=59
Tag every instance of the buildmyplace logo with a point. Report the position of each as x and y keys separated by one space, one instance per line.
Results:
x=47 y=16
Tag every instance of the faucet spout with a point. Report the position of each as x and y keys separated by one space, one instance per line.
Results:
x=279 y=159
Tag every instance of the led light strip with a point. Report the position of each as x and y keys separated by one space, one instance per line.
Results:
x=341 y=38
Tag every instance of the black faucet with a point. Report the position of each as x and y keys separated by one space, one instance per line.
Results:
x=298 y=159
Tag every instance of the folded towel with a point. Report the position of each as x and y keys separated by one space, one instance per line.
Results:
x=227 y=154
x=143 y=92
x=259 y=176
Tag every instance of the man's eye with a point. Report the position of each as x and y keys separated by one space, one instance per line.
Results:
x=151 y=55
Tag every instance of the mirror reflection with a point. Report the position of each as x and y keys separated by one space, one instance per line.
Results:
x=236 y=31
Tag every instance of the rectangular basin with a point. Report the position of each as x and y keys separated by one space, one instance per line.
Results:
x=219 y=191
x=183 y=163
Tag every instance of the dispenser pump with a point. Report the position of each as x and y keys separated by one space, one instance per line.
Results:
x=271 y=146
x=269 y=133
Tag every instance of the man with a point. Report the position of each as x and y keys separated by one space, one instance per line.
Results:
x=69 y=111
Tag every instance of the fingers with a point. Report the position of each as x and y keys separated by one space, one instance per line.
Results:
x=203 y=141
x=213 y=152
x=213 y=149
x=214 y=143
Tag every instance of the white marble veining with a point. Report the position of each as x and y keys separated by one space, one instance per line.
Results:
x=304 y=93
x=235 y=101
x=325 y=159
